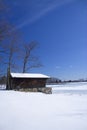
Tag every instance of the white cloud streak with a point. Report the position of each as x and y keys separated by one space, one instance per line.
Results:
x=50 y=7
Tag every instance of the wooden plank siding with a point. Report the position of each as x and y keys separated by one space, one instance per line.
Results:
x=27 y=82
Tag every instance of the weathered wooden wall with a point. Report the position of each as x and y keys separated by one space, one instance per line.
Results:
x=27 y=83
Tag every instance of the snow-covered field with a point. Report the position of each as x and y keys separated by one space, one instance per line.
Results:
x=65 y=109
x=70 y=88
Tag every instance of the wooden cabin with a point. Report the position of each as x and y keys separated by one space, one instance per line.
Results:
x=27 y=80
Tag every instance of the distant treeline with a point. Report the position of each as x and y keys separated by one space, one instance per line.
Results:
x=71 y=81
x=54 y=80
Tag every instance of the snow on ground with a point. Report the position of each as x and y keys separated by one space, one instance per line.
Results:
x=37 y=111
x=70 y=88
x=2 y=87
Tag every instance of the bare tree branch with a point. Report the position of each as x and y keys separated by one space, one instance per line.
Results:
x=30 y=61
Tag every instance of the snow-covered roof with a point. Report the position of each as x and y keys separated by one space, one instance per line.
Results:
x=28 y=75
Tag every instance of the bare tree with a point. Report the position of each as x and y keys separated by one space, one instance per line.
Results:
x=10 y=50
x=30 y=61
x=8 y=39
x=9 y=45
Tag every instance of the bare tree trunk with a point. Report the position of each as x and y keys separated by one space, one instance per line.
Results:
x=24 y=66
x=8 y=85
x=25 y=61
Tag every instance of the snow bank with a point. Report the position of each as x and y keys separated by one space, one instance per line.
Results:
x=37 y=111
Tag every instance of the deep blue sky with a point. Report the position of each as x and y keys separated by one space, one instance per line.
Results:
x=60 y=27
